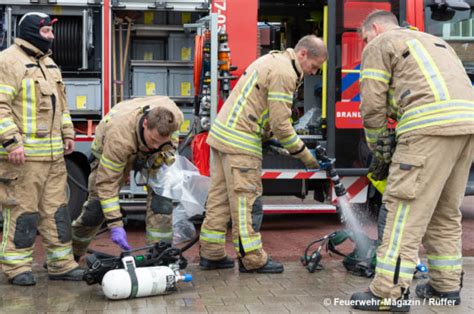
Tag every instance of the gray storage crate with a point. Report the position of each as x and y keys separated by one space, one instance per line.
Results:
x=148 y=81
x=83 y=94
x=180 y=18
x=181 y=47
x=148 y=50
x=153 y=18
x=181 y=82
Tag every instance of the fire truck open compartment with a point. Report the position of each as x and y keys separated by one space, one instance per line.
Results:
x=115 y=50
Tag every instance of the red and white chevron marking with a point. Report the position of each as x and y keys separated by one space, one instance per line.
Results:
x=285 y=174
x=357 y=187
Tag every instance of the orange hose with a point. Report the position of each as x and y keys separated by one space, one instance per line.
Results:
x=198 y=45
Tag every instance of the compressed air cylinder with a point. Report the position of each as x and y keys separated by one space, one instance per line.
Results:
x=117 y=283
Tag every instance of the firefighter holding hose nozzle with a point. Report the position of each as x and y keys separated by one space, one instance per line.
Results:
x=420 y=76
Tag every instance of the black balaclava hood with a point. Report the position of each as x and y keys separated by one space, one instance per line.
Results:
x=29 y=29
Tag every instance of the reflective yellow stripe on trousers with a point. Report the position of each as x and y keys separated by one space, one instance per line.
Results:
x=212 y=236
x=110 y=204
x=158 y=234
x=11 y=258
x=397 y=232
x=248 y=243
x=445 y=263
x=389 y=267
x=16 y=258
x=59 y=254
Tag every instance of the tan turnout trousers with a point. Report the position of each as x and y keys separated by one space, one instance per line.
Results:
x=41 y=204
x=235 y=184
x=85 y=227
x=425 y=188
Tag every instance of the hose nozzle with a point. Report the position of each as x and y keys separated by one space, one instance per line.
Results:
x=331 y=172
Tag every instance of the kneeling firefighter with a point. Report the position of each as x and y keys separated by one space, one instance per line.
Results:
x=134 y=132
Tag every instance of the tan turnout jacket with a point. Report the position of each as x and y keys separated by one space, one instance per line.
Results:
x=33 y=108
x=260 y=105
x=118 y=144
x=418 y=79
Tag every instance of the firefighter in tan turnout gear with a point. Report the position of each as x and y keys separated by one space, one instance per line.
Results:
x=134 y=133
x=35 y=132
x=259 y=104
x=430 y=166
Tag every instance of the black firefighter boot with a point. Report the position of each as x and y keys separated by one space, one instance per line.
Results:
x=367 y=301
x=426 y=291
x=73 y=275
x=271 y=267
x=23 y=279
x=207 y=264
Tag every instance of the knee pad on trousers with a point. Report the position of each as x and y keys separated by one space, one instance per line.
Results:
x=161 y=205
x=92 y=215
x=257 y=214
x=25 y=230
x=63 y=224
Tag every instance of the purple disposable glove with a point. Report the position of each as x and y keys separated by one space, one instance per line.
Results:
x=119 y=236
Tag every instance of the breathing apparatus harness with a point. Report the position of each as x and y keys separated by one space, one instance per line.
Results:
x=360 y=262
x=160 y=254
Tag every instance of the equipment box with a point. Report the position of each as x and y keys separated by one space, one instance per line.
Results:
x=180 y=18
x=148 y=50
x=83 y=95
x=188 y=113
x=181 y=47
x=153 y=18
x=148 y=81
x=181 y=82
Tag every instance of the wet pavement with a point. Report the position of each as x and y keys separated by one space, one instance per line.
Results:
x=224 y=291
x=228 y=291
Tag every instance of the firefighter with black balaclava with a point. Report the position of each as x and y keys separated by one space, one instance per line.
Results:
x=36 y=132
x=138 y=133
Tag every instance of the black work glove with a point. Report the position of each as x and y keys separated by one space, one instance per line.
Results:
x=274 y=147
x=382 y=156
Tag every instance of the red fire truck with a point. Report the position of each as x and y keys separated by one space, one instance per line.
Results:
x=119 y=49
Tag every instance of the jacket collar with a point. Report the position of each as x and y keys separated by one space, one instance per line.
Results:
x=294 y=61
x=139 y=132
x=31 y=50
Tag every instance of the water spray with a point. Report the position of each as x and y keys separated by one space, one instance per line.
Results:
x=361 y=259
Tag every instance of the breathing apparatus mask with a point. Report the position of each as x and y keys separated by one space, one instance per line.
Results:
x=360 y=262
x=164 y=155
